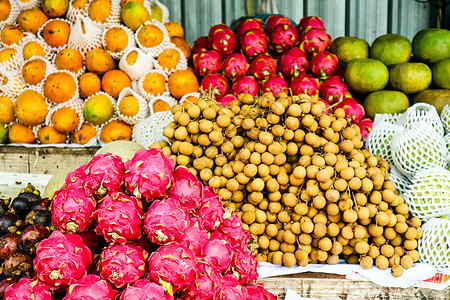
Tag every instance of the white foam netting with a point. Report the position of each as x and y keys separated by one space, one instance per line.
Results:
x=113 y=18
x=13 y=63
x=142 y=65
x=13 y=14
x=76 y=93
x=143 y=107
x=402 y=182
x=390 y=118
x=85 y=36
x=418 y=148
x=48 y=52
x=434 y=245
x=429 y=193
x=150 y=129
x=164 y=9
x=157 y=49
x=12 y=83
x=75 y=104
x=445 y=118
x=49 y=68
x=181 y=65
x=166 y=98
x=421 y=112
x=146 y=94
x=447 y=144
x=29 y=4
x=130 y=44
x=40 y=33
x=193 y=94
x=73 y=14
x=379 y=140
x=19 y=43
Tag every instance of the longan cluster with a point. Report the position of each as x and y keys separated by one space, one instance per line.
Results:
x=299 y=178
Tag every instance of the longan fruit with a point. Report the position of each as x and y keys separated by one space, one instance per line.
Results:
x=387 y=250
x=389 y=233
x=410 y=244
x=366 y=262
x=347 y=232
x=381 y=218
x=325 y=244
x=353 y=259
x=411 y=233
x=363 y=213
x=362 y=247
x=275 y=207
x=360 y=232
x=301 y=208
x=415 y=221
x=350 y=216
x=382 y=262
x=320 y=229
x=307 y=227
x=248 y=217
x=289 y=237
x=333 y=230
x=375 y=230
x=276 y=258
x=402 y=209
x=284 y=217
x=401 y=227
x=396 y=271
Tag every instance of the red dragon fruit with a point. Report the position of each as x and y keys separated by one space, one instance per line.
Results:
x=217 y=28
x=145 y=289
x=309 y=23
x=76 y=177
x=232 y=289
x=211 y=212
x=365 y=126
x=293 y=63
x=232 y=231
x=90 y=287
x=61 y=258
x=165 y=221
x=186 y=188
x=119 y=218
x=283 y=37
x=263 y=66
x=324 y=64
x=304 y=84
x=235 y=65
x=206 y=62
x=173 y=264
x=217 y=82
x=275 y=85
x=333 y=89
x=195 y=237
x=248 y=24
x=149 y=174
x=246 y=85
x=315 y=41
x=223 y=41
x=207 y=285
x=122 y=264
x=244 y=265
x=218 y=253
x=200 y=45
x=273 y=21
x=227 y=99
x=72 y=210
x=27 y=288
x=353 y=109
x=254 y=42
x=92 y=240
x=258 y=292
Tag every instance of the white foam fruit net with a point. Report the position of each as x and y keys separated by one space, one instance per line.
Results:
x=166 y=98
x=447 y=144
x=48 y=52
x=157 y=49
x=113 y=18
x=13 y=63
x=146 y=94
x=181 y=65
x=85 y=36
x=27 y=4
x=445 y=118
x=131 y=43
x=402 y=182
x=422 y=112
x=390 y=118
x=142 y=65
x=428 y=194
x=164 y=9
x=379 y=140
x=75 y=104
x=150 y=130
x=186 y=96
x=434 y=245
x=12 y=83
x=40 y=33
x=13 y=14
x=73 y=13
x=143 y=107
x=418 y=148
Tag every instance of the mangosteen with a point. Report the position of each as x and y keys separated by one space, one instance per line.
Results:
x=41 y=205
x=4 y=285
x=30 y=193
x=31 y=236
x=21 y=206
x=9 y=243
x=39 y=217
x=9 y=222
x=18 y=265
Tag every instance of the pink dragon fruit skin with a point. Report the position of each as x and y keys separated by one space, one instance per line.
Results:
x=304 y=84
x=283 y=37
x=90 y=287
x=217 y=28
x=232 y=289
x=145 y=289
x=195 y=237
x=76 y=177
x=92 y=240
x=365 y=125
x=235 y=65
x=353 y=109
x=119 y=218
x=217 y=82
x=186 y=188
x=200 y=45
x=244 y=265
x=324 y=64
x=211 y=212
x=263 y=66
x=258 y=292
x=61 y=258
x=232 y=231
x=246 y=85
x=293 y=63
x=207 y=285
x=72 y=210
x=173 y=264
x=165 y=221
x=27 y=288
x=207 y=62
x=309 y=23
x=223 y=41
x=122 y=264
x=248 y=24
x=275 y=85
x=333 y=89
x=315 y=41
x=254 y=42
x=227 y=99
x=149 y=174
x=218 y=253
x=273 y=21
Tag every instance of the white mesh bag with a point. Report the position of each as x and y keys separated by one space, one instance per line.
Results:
x=143 y=107
x=429 y=193
x=48 y=52
x=13 y=14
x=434 y=245
x=40 y=33
x=130 y=44
x=182 y=63
x=390 y=118
x=13 y=63
x=379 y=140
x=142 y=65
x=445 y=118
x=75 y=104
x=157 y=49
x=150 y=129
x=27 y=4
x=164 y=9
x=402 y=182
x=75 y=13
x=447 y=143
x=113 y=18
x=422 y=112
x=166 y=98
x=12 y=83
x=146 y=94
x=418 y=148
x=85 y=36
x=186 y=96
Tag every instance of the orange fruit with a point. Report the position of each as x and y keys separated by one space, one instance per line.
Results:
x=116 y=39
x=11 y=34
x=65 y=119
x=161 y=105
x=116 y=130
x=21 y=134
x=132 y=57
x=5 y=9
x=60 y=87
x=123 y=2
x=128 y=106
x=30 y=108
x=183 y=45
x=98 y=109
x=7 y=54
x=89 y=84
x=55 y=8
x=190 y=100
x=49 y=135
x=182 y=82
x=134 y=14
x=33 y=71
x=69 y=59
x=154 y=84
x=79 y=4
x=33 y=48
x=30 y=20
x=114 y=81
x=99 y=10
x=174 y=29
x=6 y=110
x=56 y=33
x=169 y=59
x=150 y=35
x=99 y=61
x=83 y=135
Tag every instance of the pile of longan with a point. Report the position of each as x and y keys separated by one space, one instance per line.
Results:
x=300 y=179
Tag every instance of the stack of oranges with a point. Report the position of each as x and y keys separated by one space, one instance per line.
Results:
x=81 y=70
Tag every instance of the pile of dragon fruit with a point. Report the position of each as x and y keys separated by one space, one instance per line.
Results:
x=142 y=230
x=273 y=58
